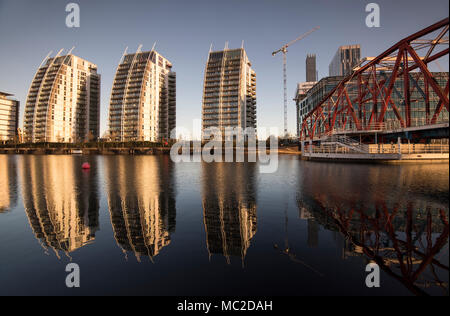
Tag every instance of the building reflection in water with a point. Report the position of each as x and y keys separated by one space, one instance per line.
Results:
x=229 y=208
x=61 y=201
x=8 y=183
x=141 y=200
x=403 y=228
x=313 y=227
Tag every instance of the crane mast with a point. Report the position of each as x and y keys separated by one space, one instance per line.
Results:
x=284 y=50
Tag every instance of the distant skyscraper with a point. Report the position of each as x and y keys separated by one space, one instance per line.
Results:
x=63 y=103
x=9 y=117
x=229 y=93
x=311 y=74
x=143 y=98
x=344 y=60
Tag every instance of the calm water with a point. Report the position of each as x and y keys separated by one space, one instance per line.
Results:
x=144 y=225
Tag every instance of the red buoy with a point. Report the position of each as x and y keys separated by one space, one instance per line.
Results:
x=86 y=166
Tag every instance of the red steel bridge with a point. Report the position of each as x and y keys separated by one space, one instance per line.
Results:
x=392 y=93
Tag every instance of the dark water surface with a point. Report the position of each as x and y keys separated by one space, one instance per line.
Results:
x=145 y=225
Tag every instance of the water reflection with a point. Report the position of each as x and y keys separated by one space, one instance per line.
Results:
x=229 y=208
x=61 y=202
x=313 y=228
x=350 y=215
x=406 y=236
x=141 y=202
x=8 y=183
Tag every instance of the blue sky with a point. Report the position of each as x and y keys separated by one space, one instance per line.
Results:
x=184 y=31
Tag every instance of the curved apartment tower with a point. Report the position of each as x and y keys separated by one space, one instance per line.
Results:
x=143 y=98
x=229 y=93
x=63 y=103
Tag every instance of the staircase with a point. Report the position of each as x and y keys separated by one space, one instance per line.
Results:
x=347 y=142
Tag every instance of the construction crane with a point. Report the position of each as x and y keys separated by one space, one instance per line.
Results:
x=284 y=50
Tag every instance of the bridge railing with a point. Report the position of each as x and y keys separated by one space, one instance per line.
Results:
x=387 y=126
x=409 y=149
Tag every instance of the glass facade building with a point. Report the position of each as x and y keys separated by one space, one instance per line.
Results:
x=421 y=108
x=344 y=60
x=306 y=102
x=301 y=93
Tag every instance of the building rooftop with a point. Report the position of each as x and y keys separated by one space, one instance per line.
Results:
x=4 y=94
x=303 y=88
x=350 y=46
x=227 y=50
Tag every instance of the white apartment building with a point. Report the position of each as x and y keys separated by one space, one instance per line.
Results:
x=9 y=117
x=143 y=98
x=63 y=103
x=229 y=92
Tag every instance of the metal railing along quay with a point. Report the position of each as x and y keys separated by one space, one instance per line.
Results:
x=391 y=126
x=405 y=149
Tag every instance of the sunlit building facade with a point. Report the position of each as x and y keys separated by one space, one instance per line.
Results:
x=229 y=92
x=143 y=98
x=9 y=117
x=63 y=103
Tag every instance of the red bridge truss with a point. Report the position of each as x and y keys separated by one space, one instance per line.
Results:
x=392 y=91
